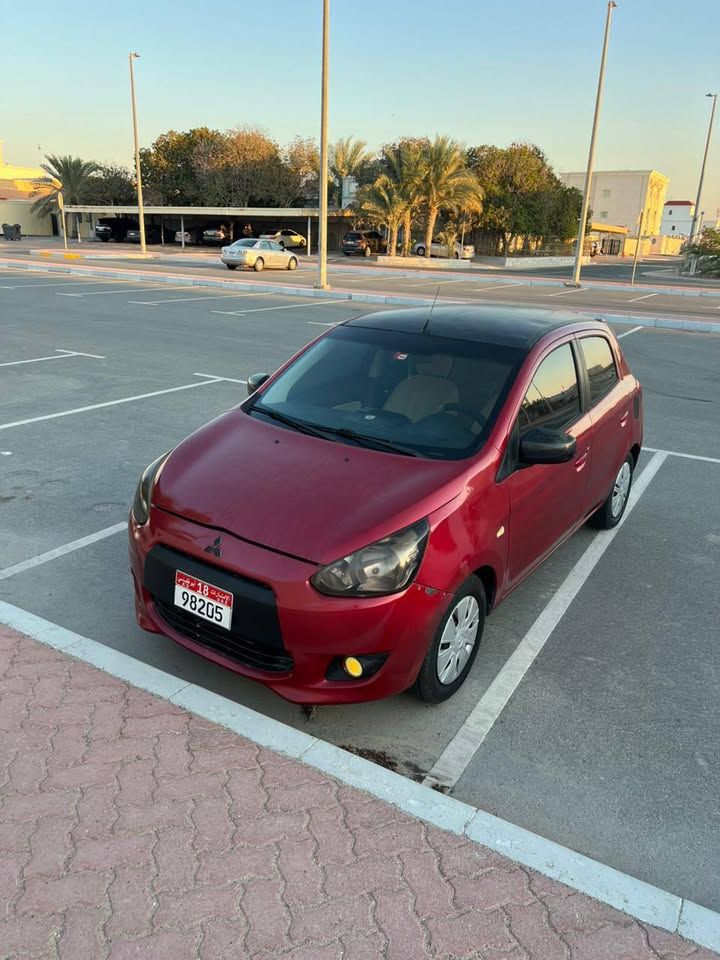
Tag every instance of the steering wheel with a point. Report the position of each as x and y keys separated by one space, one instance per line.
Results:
x=466 y=419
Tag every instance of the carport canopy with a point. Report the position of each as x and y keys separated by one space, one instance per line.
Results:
x=279 y=216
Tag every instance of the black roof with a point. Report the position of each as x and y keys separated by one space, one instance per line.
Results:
x=485 y=323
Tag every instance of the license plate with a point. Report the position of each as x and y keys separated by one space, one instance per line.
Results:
x=203 y=599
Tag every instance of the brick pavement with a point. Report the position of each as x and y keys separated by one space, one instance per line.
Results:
x=130 y=828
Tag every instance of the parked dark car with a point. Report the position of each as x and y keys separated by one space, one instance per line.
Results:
x=363 y=242
x=153 y=234
x=113 y=228
x=218 y=234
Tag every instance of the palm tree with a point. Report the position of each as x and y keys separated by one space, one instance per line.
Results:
x=404 y=162
x=71 y=175
x=347 y=157
x=447 y=184
x=383 y=202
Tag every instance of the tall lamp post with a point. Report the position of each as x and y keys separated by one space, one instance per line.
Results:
x=591 y=153
x=696 y=214
x=323 y=211
x=141 y=213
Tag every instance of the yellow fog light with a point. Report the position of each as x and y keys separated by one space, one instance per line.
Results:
x=352 y=667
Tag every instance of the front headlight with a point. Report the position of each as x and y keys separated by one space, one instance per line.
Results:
x=386 y=566
x=148 y=478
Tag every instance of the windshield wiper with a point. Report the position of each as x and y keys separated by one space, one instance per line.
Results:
x=372 y=442
x=298 y=425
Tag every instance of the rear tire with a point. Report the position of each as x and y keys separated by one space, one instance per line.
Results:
x=457 y=255
x=461 y=626
x=231 y=266
x=420 y=251
x=367 y=252
x=259 y=265
x=346 y=253
x=610 y=513
x=292 y=264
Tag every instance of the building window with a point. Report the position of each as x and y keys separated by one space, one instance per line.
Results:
x=603 y=214
x=669 y=213
x=672 y=227
x=606 y=193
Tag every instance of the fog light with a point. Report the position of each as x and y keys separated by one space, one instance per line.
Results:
x=352 y=667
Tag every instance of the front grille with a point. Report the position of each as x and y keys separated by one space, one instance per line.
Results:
x=242 y=650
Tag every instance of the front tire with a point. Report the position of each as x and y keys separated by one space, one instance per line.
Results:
x=420 y=252
x=231 y=266
x=292 y=264
x=610 y=513
x=455 y=645
x=259 y=265
x=368 y=252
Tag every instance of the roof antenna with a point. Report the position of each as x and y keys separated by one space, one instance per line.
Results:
x=432 y=307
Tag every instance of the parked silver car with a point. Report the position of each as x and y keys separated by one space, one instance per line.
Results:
x=463 y=251
x=257 y=254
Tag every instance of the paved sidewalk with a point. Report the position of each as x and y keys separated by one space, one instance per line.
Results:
x=131 y=829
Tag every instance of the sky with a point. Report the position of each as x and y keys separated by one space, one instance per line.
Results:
x=482 y=71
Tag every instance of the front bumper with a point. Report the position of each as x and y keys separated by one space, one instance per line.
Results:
x=312 y=629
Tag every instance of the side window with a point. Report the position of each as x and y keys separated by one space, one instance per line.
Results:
x=553 y=399
x=265 y=245
x=600 y=364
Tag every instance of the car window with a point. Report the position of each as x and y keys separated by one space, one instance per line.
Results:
x=553 y=399
x=244 y=243
x=437 y=397
x=265 y=245
x=276 y=246
x=600 y=364
x=352 y=236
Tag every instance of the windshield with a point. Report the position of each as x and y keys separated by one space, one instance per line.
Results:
x=423 y=395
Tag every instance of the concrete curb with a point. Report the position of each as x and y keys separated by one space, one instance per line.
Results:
x=641 y=900
x=70 y=255
x=670 y=323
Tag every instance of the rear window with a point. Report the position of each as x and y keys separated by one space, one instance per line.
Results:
x=600 y=364
x=353 y=236
x=247 y=242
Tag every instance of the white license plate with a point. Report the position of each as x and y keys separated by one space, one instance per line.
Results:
x=203 y=599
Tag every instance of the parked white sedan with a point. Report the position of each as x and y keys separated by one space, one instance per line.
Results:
x=286 y=238
x=258 y=254
x=463 y=251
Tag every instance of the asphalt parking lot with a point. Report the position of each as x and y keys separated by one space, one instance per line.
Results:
x=605 y=742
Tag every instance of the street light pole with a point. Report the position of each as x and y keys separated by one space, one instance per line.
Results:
x=141 y=213
x=641 y=223
x=323 y=211
x=591 y=154
x=696 y=212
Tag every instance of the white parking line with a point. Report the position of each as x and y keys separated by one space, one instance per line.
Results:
x=464 y=745
x=219 y=296
x=628 y=332
x=61 y=551
x=103 y=293
x=288 y=306
x=214 y=376
x=481 y=288
x=64 y=283
x=645 y=297
x=561 y=293
x=58 y=355
x=107 y=403
x=685 y=456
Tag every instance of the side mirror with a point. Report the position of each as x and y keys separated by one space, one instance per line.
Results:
x=541 y=445
x=256 y=380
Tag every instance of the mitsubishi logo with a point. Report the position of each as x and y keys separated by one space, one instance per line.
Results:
x=215 y=548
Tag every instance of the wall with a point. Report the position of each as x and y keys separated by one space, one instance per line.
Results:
x=618 y=196
x=18 y=211
x=663 y=246
x=679 y=217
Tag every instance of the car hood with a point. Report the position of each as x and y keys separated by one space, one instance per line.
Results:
x=299 y=495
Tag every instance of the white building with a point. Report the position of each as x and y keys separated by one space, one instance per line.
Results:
x=677 y=218
x=620 y=196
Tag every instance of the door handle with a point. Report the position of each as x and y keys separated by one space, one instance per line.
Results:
x=624 y=418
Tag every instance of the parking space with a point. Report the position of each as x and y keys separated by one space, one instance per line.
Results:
x=604 y=743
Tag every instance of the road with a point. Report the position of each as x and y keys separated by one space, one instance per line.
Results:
x=608 y=741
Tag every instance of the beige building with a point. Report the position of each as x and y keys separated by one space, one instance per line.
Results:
x=619 y=196
x=18 y=186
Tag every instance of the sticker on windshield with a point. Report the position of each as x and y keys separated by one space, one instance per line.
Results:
x=400 y=356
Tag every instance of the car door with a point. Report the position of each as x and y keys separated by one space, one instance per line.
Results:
x=547 y=501
x=266 y=252
x=610 y=401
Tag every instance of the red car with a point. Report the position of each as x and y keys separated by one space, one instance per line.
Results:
x=343 y=533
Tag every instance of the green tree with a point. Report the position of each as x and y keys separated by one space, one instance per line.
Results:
x=238 y=169
x=384 y=204
x=298 y=172
x=447 y=183
x=111 y=184
x=168 y=166
x=68 y=174
x=403 y=163
x=704 y=252
x=347 y=157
